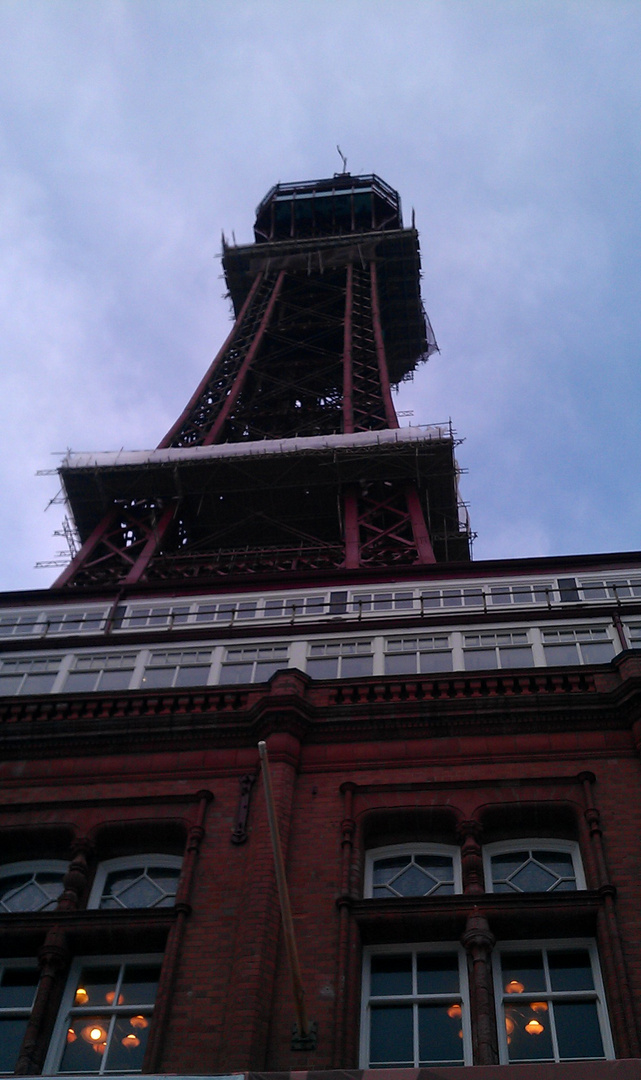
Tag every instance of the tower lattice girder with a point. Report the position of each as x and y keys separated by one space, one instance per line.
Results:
x=324 y=326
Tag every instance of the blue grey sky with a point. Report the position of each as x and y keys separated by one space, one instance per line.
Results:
x=133 y=131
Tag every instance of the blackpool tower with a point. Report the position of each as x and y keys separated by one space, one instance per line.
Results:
x=289 y=455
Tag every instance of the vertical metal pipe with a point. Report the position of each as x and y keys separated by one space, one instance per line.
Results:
x=283 y=896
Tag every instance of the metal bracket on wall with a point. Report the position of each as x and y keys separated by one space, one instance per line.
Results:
x=309 y=1040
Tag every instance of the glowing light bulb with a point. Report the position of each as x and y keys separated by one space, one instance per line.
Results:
x=534 y=1027
x=142 y=1022
x=454 y=1012
x=539 y=1006
x=110 y=996
x=71 y=1036
x=130 y=1041
x=82 y=997
x=96 y=1034
x=509 y=1025
x=514 y=987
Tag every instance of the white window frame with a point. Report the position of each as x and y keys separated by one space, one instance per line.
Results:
x=597 y=995
x=129 y=862
x=243 y=651
x=493 y=643
x=365 y=648
x=505 y=847
x=32 y=866
x=18 y=1012
x=443 y=648
x=447 y=947
x=58 y=1038
x=392 y=850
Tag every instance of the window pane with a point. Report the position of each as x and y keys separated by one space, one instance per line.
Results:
x=516 y=657
x=235 y=673
x=192 y=676
x=571 y=970
x=127 y=1044
x=534 y=878
x=96 y=986
x=577 y=1030
x=85 y=1044
x=401 y=664
x=440 y=1037
x=115 y=680
x=139 y=983
x=597 y=652
x=437 y=974
x=78 y=681
x=435 y=661
x=391 y=1041
x=325 y=668
x=522 y=973
x=559 y=862
x=158 y=677
x=18 y=988
x=11 y=1035
x=391 y=975
x=353 y=666
x=38 y=684
x=560 y=654
x=524 y=1044
x=9 y=684
x=266 y=668
x=480 y=660
x=440 y=867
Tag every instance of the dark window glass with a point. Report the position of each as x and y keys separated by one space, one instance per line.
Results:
x=391 y=1037
x=391 y=975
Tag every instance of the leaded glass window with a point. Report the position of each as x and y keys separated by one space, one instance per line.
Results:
x=412 y=870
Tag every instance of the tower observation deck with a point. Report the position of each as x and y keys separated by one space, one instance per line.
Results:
x=289 y=456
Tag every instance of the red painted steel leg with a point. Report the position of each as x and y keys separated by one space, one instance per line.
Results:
x=352 y=537
x=348 y=378
x=155 y=538
x=419 y=528
x=233 y=394
x=390 y=411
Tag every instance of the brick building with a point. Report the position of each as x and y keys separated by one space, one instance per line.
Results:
x=454 y=745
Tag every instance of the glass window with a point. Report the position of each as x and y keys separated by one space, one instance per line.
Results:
x=74 y=622
x=533 y=866
x=340 y=659
x=147 y=881
x=415 y=1011
x=20 y=624
x=580 y=645
x=105 y=1016
x=417 y=655
x=383 y=601
x=18 y=985
x=551 y=1003
x=110 y=671
x=520 y=594
x=28 y=676
x=31 y=886
x=412 y=870
x=253 y=664
x=506 y=649
x=189 y=667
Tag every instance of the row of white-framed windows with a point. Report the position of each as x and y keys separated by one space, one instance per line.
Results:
x=411 y=599
x=549 y=1000
x=135 y=881
x=524 y=866
x=424 y=654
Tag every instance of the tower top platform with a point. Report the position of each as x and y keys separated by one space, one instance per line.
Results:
x=342 y=204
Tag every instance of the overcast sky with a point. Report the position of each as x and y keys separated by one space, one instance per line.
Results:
x=134 y=131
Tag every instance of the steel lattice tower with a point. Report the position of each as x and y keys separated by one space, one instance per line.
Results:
x=289 y=455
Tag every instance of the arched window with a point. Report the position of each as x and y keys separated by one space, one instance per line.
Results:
x=525 y=866
x=412 y=870
x=137 y=881
x=31 y=886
